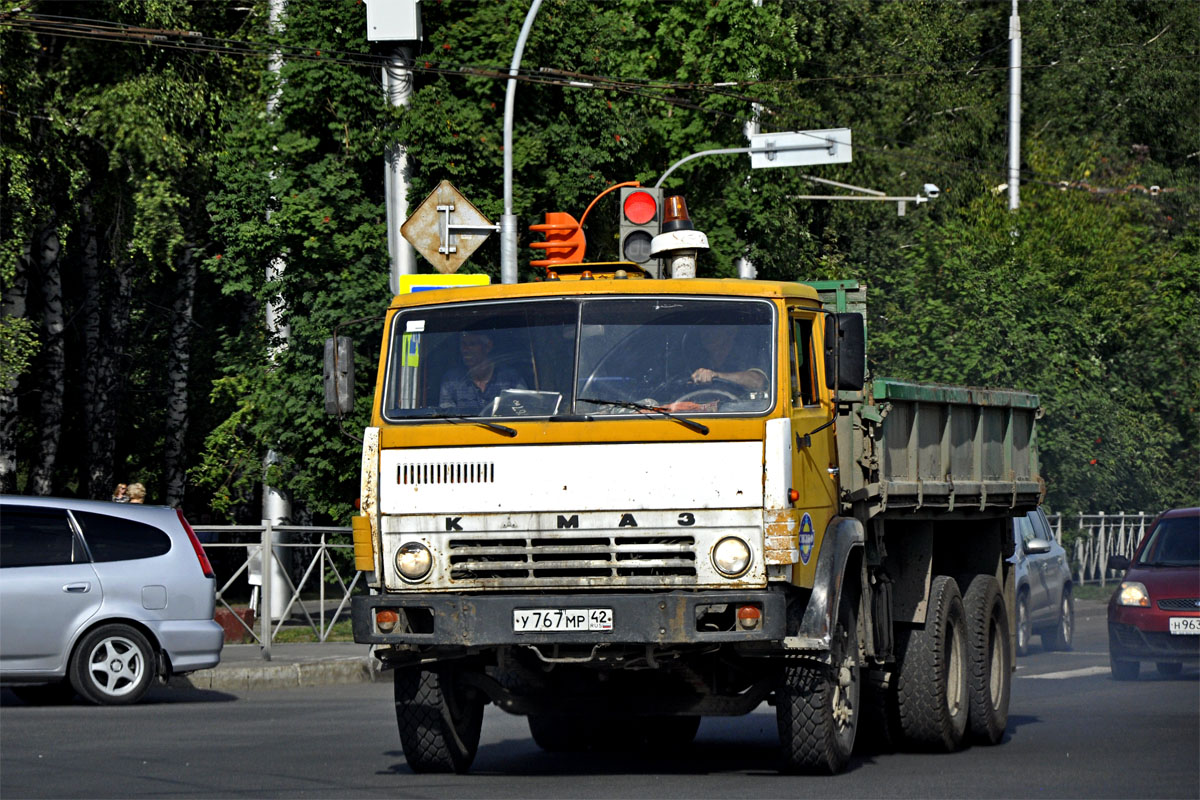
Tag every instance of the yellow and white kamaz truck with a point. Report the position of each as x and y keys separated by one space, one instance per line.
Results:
x=617 y=504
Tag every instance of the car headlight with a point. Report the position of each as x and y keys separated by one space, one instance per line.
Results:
x=413 y=561
x=1133 y=593
x=731 y=557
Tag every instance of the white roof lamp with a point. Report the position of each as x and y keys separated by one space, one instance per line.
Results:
x=679 y=243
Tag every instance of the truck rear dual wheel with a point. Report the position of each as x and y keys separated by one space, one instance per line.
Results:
x=439 y=719
x=932 y=682
x=990 y=681
x=817 y=705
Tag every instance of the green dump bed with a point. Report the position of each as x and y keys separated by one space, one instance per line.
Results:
x=932 y=449
x=922 y=449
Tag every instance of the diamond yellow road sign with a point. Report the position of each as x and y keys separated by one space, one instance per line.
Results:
x=446 y=228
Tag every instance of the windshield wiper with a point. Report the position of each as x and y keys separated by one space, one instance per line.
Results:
x=684 y=421
x=503 y=430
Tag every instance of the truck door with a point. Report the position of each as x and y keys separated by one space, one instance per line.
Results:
x=814 y=460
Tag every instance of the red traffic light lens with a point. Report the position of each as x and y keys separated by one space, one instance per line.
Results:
x=640 y=208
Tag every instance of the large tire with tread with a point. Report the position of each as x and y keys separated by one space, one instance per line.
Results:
x=561 y=733
x=112 y=665
x=1024 y=625
x=1062 y=636
x=932 y=685
x=990 y=682
x=439 y=719
x=817 y=704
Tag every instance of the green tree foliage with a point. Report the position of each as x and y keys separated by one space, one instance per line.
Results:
x=1087 y=295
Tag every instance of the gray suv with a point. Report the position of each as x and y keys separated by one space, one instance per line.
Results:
x=101 y=599
x=1045 y=603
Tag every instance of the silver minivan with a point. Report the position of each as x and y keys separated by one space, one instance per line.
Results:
x=1045 y=600
x=101 y=599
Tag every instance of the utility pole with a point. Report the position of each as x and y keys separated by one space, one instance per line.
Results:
x=508 y=222
x=745 y=267
x=397 y=22
x=1014 y=109
x=277 y=509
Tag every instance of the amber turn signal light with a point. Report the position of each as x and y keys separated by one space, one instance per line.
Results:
x=386 y=620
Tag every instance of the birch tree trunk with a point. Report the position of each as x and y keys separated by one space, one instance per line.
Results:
x=106 y=328
x=13 y=306
x=53 y=363
x=178 y=375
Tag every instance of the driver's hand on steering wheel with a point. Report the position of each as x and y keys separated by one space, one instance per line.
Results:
x=705 y=375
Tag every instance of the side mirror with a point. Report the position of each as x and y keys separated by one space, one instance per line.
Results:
x=1036 y=547
x=1118 y=563
x=845 y=352
x=339 y=376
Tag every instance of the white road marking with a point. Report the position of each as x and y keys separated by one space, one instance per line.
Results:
x=1070 y=673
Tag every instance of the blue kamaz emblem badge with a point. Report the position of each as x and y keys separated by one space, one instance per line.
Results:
x=806 y=538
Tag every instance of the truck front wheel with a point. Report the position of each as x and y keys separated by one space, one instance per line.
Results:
x=817 y=705
x=439 y=719
x=932 y=685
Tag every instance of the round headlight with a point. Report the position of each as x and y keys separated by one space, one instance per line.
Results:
x=731 y=557
x=413 y=561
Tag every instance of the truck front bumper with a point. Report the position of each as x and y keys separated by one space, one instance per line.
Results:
x=662 y=618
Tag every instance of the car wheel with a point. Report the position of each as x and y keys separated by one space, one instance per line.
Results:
x=1062 y=637
x=1024 y=626
x=932 y=686
x=1169 y=668
x=45 y=694
x=112 y=665
x=1123 y=670
x=990 y=659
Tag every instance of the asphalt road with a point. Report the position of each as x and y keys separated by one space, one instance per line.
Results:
x=1073 y=732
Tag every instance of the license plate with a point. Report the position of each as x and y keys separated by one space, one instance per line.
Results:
x=562 y=620
x=1184 y=625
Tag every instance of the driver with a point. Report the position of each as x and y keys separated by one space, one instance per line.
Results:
x=471 y=388
x=724 y=360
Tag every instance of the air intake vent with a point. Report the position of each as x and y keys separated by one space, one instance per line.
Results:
x=434 y=474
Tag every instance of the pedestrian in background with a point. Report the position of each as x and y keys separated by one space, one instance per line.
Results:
x=137 y=493
x=120 y=494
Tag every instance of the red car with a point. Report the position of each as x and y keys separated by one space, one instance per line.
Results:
x=1155 y=613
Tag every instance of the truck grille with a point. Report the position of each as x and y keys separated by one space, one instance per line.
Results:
x=447 y=473
x=522 y=561
x=1180 y=604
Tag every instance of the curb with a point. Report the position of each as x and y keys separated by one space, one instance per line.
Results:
x=282 y=676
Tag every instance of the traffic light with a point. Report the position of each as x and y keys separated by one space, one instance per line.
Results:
x=565 y=242
x=640 y=214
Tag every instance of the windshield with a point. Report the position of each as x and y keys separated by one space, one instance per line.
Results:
x=1174 y=542
x=581 y=357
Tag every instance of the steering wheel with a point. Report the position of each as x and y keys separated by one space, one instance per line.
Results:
x=685 y=390
x=707 y=391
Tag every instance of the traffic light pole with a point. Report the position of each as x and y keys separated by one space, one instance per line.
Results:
x=508 y=222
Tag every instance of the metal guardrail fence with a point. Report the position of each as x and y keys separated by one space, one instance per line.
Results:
x=283 y=540
x=1092 y=538
x=1095 y=537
